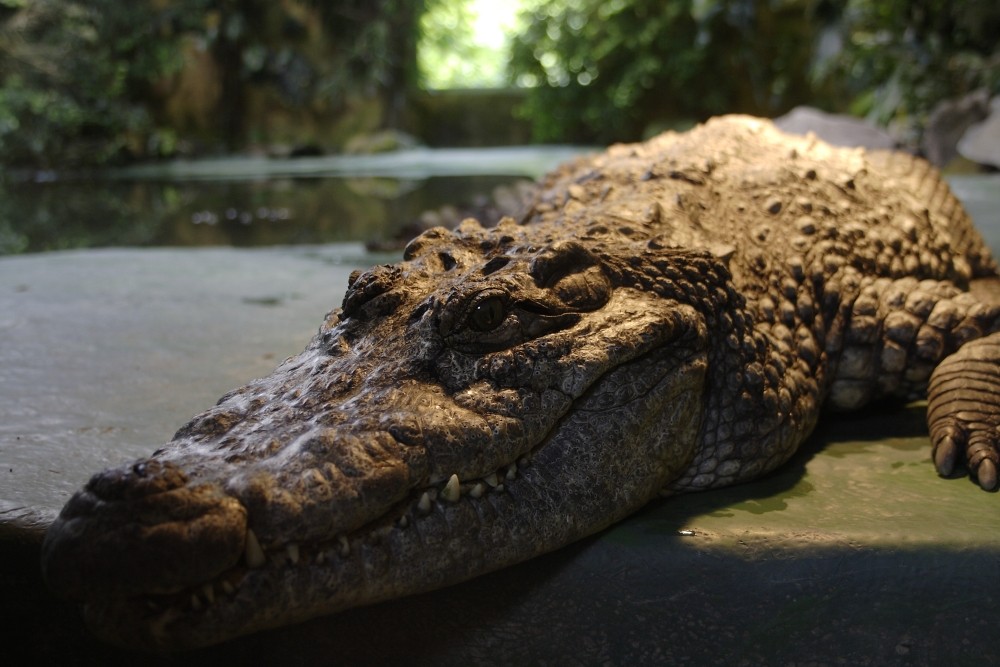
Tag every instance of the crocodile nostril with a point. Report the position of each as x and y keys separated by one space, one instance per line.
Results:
x=142 y=478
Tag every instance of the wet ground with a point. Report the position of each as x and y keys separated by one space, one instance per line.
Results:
x=854 y=553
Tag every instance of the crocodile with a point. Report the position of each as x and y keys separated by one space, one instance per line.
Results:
x=665 y=317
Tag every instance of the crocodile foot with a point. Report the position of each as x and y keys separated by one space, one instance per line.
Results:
x=964 y=412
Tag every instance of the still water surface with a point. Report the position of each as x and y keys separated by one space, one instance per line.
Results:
x=253 y=202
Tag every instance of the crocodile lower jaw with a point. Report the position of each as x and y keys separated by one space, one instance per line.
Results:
x=157 y=611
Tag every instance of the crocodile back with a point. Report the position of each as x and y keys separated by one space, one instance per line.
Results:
x=916 y=175
x=775 y=205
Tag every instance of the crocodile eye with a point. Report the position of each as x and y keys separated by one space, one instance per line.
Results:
x=488 y=314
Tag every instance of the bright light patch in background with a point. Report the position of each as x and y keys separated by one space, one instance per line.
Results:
x=492 y=21
x=464 y=43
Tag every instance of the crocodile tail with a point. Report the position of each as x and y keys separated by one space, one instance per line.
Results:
x=932 y=191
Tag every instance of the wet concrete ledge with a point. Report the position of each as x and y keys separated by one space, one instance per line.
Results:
x=854 y=553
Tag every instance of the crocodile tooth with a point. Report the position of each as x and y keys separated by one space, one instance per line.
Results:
x=293 y=553
x=523 y=462
x=195 y=602
x=345 y=546
x=403 y=522
x=209 y=593
x=499 y=488
x=477 y=490
x=511 y=471
x=254 y=554
x=227 y=587
x=424 y=504
x=452 y=491
x=492 y=479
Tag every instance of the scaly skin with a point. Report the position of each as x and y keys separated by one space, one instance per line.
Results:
x=667 y=317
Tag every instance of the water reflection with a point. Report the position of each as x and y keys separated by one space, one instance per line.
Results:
x=58 y=215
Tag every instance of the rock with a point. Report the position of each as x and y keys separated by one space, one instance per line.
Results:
x=835 y=129
x=283 y=151
x=981 y=142
x=382 y=141
x=306 y=150
x=947 y=124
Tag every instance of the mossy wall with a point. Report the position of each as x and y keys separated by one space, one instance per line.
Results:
x=469 y=118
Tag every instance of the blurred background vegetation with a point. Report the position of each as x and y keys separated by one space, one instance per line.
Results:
x=87 y=83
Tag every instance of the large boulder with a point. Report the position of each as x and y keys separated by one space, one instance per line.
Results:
x=981 y=142
x=948 y=122
x=834 y=129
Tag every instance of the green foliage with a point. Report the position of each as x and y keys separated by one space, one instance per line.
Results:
x=447 y=54
x=372 y=43
x=68 y=80
x=901 y=57
x=462 y=43
x=603 y=70
x=81 y=81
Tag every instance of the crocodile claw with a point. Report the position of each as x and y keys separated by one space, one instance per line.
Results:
x=986 y=473
x=945 y=455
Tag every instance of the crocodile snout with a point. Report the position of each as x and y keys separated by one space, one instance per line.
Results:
x=142 y=528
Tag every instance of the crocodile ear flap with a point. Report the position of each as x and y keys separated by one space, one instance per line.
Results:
x=559 y=260
x=573 y=273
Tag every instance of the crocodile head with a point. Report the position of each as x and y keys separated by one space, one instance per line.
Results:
x=490 y=398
